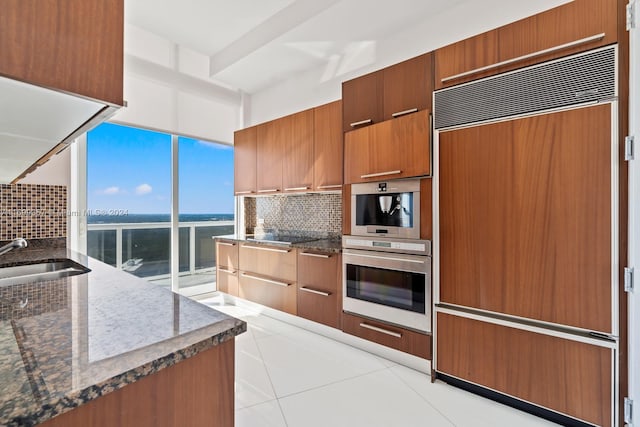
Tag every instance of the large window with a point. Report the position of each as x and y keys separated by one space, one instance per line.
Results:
x=129 y=201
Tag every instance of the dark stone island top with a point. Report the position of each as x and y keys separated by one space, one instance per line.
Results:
x=67 y=341
x=319 y=245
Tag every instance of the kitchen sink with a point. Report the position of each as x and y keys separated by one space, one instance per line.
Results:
x=37 y=272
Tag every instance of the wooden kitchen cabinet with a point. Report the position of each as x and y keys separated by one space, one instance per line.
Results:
x=525 y=218
x=197 y=391
x=227 y=267
x=270 y=154
x=570 y=28
x=398 y=148
x=297 y=161
x=320 y=287
x=268 y=276
x=74 y=46
x=388 y=93
x=328 y=147
x=563 y=375
x=408 y=86
x=362 y=102
x=245 y=146
x=388 y=335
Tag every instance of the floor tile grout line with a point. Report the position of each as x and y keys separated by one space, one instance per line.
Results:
x=423 y=397
x=284 y=418
x=332 y=383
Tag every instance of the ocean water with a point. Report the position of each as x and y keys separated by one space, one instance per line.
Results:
x=124 y=217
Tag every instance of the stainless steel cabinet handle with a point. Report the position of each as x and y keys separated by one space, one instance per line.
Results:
x=361 y=122
x=296 y=188
x=244 y=192
x=384 y=331
x=269 y=190
x=322 y=187
x=527 y=56
x=259 y=248
x=315 y=255
x=224 y=270
x=226 y=244
x=372 y=175
x=262 y=279
x=313 y=291
x=415 y=261
x=403 y=113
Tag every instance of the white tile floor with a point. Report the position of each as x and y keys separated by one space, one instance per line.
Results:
x=287 y=376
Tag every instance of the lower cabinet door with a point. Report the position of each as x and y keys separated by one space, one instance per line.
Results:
x=570 y=377
x=227 y=281
x=274 y=293
x=319 y=287
x=391 y=336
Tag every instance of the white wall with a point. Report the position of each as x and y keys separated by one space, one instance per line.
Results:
x=313 y=88
x=167 y=88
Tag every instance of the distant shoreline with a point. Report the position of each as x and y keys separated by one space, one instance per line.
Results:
x=138 y=218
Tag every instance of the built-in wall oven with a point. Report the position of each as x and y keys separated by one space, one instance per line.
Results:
x=388 y=280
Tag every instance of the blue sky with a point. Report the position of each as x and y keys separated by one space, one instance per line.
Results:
x=130 y=169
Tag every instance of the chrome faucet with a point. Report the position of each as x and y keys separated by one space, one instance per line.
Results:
x=14 y=244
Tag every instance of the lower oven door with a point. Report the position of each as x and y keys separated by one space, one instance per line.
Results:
x=391 y=287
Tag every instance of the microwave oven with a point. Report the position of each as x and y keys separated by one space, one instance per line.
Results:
x=386 y=209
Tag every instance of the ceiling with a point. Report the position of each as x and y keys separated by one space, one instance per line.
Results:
x=254 y=44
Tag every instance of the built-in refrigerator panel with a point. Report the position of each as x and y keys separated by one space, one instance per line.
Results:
x=526 y=215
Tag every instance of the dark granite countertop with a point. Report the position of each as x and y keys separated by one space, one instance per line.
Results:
x=67 y=341
x=320 y=245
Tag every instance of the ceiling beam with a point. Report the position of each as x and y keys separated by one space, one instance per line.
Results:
x=281 y=23
x=181 y=81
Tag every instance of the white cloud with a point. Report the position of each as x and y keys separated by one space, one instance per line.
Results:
x=143 y=189
x=110 y=191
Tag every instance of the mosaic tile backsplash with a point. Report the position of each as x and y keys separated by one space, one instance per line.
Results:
x=317 y=214
x=32 y=211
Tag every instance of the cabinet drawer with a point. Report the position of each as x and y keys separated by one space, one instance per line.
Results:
x=319 y=287
x=277 y=262
x=280 y=295
x=227 y=254
x=227 y=281
x=390 y=336
x=570 y=377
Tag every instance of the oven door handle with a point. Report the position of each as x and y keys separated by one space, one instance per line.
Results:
x=415 y=261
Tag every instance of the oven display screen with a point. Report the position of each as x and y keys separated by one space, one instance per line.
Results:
x=393 y=288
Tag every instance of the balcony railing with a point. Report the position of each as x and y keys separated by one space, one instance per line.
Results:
x=144 y=249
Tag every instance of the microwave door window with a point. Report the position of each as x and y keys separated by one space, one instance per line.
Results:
x=386 y=210
x=393 y=288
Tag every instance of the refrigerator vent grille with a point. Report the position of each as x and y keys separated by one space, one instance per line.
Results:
x=573 y=80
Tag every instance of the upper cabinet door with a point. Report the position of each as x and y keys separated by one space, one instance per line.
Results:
x=75 y=46
x=408 y=86
x=362 y=101
x=398 y=148
x=271 y=137
x=327 y=129
x=297 y=170
x=244 y=160
x=573 y=27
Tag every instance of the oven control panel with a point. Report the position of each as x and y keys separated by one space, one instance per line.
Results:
x=419 y=247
